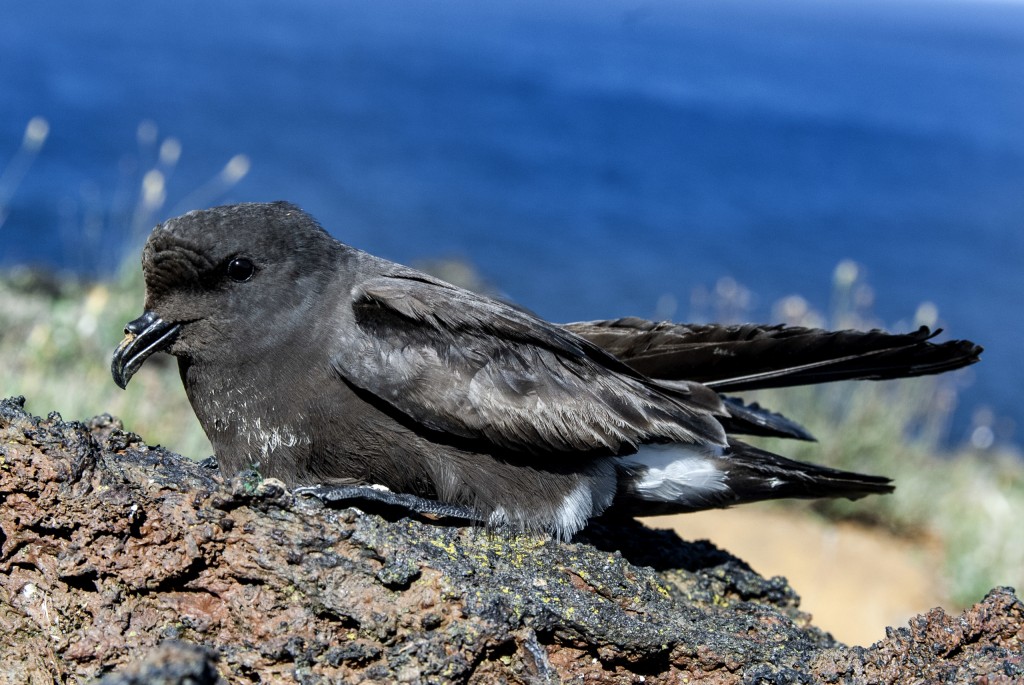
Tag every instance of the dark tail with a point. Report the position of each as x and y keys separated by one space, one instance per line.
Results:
x=743 y=474
x=750 y=356
x=756 y=474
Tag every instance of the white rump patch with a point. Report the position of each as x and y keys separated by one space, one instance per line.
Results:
x=676 y=473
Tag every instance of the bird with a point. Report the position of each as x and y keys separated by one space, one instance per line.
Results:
x=350 y=377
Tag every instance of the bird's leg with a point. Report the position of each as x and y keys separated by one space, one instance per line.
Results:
x=333 y=494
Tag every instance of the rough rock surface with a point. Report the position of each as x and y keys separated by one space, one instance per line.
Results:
x=124 y=563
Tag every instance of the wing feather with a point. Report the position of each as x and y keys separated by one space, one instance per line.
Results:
x=751 y=356
x=478 y=368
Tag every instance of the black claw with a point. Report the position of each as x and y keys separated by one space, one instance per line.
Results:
x=210 y=463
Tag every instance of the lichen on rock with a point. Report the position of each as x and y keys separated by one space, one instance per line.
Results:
x=127 y=563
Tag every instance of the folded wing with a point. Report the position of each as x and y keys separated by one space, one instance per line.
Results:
x=751 y=356
x=477 y=368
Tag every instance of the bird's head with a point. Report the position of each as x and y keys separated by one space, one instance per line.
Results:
x=218 y=280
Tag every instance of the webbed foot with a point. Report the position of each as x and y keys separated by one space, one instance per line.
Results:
x=333 y=494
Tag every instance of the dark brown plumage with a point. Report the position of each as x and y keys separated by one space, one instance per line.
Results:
x=753 y=356
x=325 y=366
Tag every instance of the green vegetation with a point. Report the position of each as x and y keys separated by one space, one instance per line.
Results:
x=57 y=334
x=56 y=339
x=970 y=501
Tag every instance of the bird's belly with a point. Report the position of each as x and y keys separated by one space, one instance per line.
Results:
x=338 y=437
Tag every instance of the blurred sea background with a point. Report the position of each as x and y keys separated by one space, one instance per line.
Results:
x=811 y=161
x=591 y=160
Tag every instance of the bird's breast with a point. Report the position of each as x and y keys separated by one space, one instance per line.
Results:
x=247 y=424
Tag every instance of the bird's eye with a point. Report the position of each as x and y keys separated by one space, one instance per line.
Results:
x=240 y=269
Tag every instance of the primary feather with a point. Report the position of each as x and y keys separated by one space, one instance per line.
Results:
x=752 y=356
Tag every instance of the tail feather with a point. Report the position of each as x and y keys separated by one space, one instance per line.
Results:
x=751 y=356
x=673 y=479
x=756 y=474
x=753 y=419
x=677 y=478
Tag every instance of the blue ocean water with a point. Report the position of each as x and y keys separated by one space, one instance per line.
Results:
x=591 y=159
